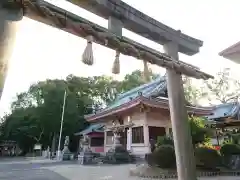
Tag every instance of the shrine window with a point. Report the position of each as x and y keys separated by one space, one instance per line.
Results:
x=109 y=137
x=137 y=135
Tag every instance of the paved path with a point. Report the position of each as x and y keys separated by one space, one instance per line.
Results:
x=24 y=169
x=36 y=170
x=116 y=172
x=103 y=172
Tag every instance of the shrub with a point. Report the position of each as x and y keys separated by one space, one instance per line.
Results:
x=207 y=157
x=199 y=133
x=164 y=140
x=230 y=149
x=163 y=157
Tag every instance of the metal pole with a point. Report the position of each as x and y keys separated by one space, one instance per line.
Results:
x=60 y=132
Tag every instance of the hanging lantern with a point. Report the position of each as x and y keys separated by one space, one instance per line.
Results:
x=116 y=64
x=87 y=57
x=146 y=73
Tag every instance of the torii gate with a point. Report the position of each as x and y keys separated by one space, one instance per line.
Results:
x=119 y=15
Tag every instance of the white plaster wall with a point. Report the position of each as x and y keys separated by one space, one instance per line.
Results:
x=137 y=119
x=158 y=119
x=143 y=119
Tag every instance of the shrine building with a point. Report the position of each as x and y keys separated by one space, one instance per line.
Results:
x=142 y=113
x=224 y=116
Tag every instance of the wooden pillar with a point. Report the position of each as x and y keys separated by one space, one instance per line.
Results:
x=146 y=133
x=8 y=28
x=129 y=139
x=105 y=140
x=185 y=159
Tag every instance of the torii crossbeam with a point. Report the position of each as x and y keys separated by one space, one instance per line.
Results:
x=119 y=15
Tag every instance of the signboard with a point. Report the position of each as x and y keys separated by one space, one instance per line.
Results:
x=37 y=147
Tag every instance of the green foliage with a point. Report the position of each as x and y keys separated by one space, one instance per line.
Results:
x=36 y=114
x=207 y=157
x=230 y=149
x=163 y=157
x=199 y=133
x=164 y=140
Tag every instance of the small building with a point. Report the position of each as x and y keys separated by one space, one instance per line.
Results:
x=9 y=148
x=95 y=132
x=223 y=116
x=144 y=114
x=232 y=53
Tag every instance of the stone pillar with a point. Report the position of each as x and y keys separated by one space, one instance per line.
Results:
x=185 y=159
x=9 y=19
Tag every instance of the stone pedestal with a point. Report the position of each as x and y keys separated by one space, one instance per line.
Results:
x=117 y=154
x=86 y=155
x=66 y=154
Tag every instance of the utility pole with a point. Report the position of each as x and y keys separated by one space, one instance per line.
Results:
x=60 y=132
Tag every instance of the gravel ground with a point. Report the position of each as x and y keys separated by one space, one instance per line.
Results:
x=114 y=172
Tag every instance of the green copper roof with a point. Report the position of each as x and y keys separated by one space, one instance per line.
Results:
x=90 y=129
x=226 y=110
x=156 y=87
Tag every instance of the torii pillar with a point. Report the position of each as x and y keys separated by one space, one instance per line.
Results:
x=186 y=166
x=9 y=19
x=185 y=159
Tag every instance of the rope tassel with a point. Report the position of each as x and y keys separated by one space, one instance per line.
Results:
x=87 y=57
x=116 y=64
x=146 y=73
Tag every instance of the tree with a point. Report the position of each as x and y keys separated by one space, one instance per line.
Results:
x=223 y=88
x=36 y=114
x=199 y=132
x=133 y=80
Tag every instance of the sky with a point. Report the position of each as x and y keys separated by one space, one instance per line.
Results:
x=42 y=52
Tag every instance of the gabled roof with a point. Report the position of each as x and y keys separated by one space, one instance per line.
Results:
x=232 y=53
x=152 y=94
x=90 y=129
x=155 y=87
x=224 y=111
x=232 y=49
x=159 y=102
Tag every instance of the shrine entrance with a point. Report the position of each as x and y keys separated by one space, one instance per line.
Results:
x=155 y=132
x=173 y=41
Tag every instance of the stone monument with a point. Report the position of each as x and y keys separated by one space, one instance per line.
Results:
x=117 y=154
x=66 y=154
x=85 y=156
